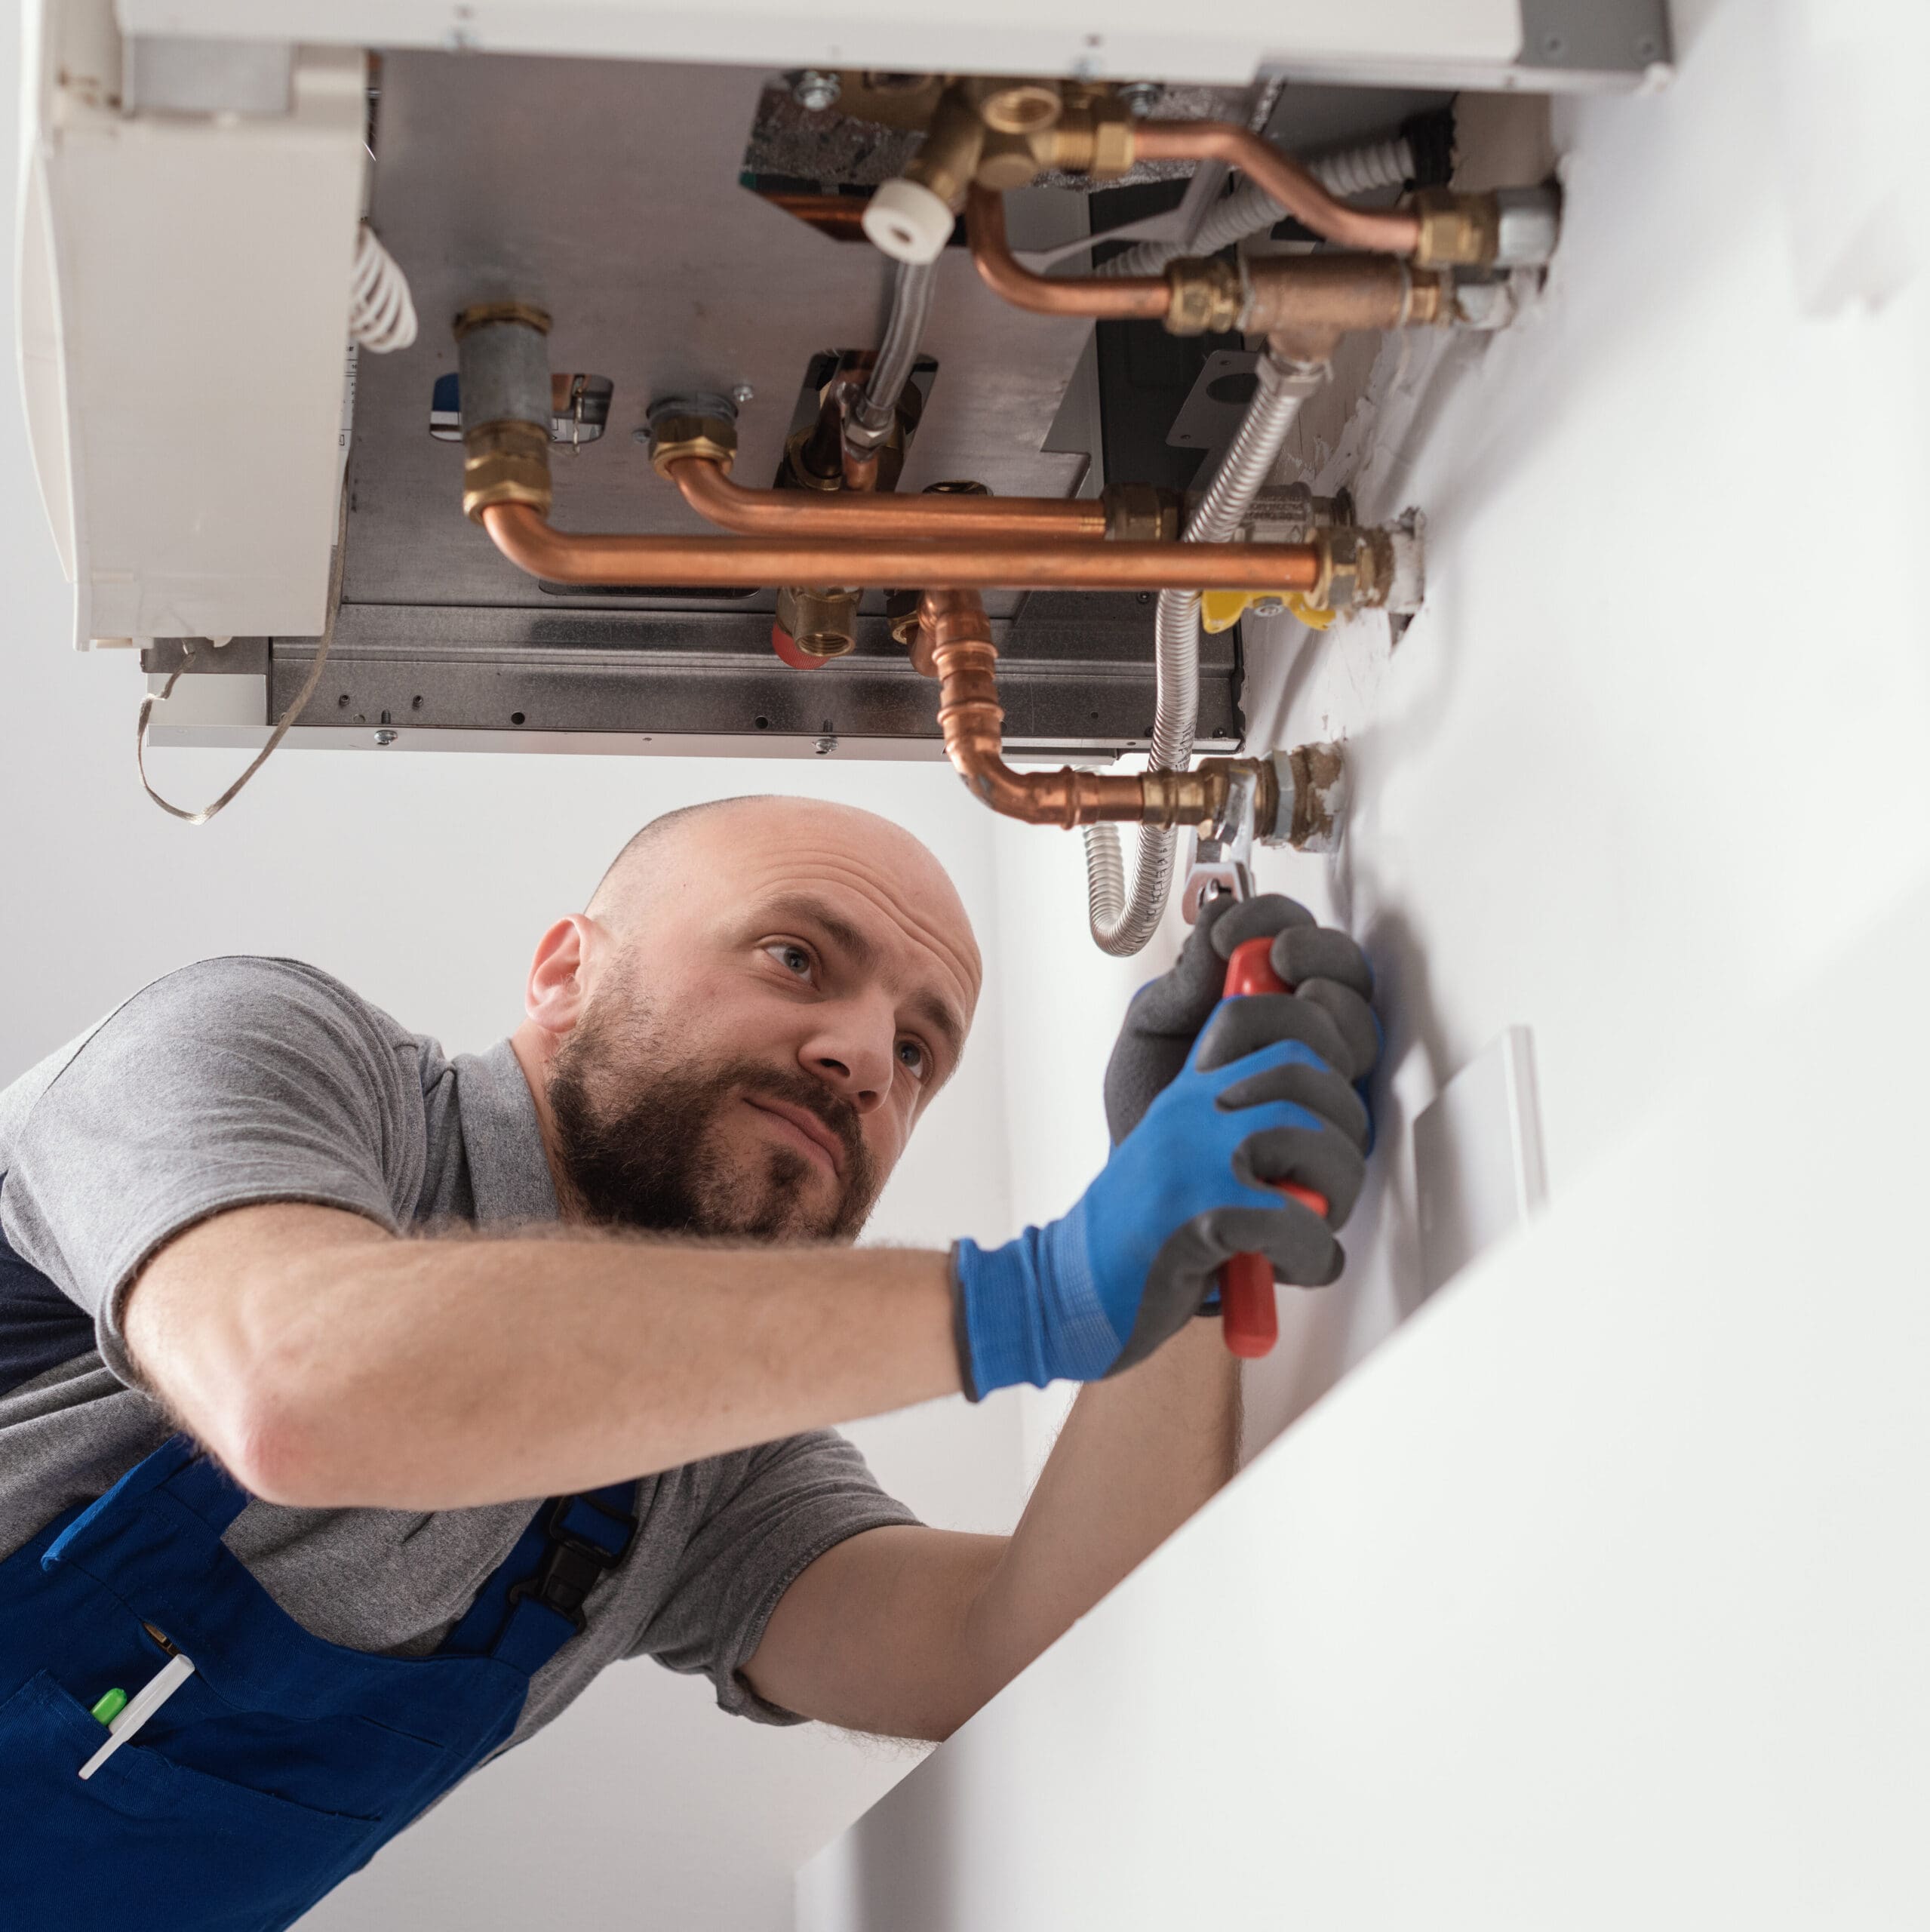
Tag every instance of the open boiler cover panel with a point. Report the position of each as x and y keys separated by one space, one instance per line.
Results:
x=797 y=405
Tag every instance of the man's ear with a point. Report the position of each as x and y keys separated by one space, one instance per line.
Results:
x=558 y=987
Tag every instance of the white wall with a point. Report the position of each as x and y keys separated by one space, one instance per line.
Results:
x=1590 y=1601
x=1650 y=758
x=1656 y=741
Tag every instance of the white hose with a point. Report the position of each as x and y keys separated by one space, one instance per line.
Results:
x=1249 y=209
x=1123 y=921
x=381 y=313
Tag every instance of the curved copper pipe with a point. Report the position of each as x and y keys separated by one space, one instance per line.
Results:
x=956 y=641
x=528 y=540
x=1388 y=231
x=1117 y=298
x=709 y=490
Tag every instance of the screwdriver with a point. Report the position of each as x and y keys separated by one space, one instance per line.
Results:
x=1249 y=1319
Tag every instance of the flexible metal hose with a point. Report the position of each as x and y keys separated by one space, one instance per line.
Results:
x=1123 y=920
x=1249 y=209
x=876 y=410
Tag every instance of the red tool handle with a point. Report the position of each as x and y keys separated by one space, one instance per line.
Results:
x=1249 y=1319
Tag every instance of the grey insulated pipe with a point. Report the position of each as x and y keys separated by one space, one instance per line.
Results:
x=1250 y=209
x=872 y=416
x=1123 y=920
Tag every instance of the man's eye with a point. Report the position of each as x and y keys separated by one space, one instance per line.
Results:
x=915 y=1059
x=793 y=958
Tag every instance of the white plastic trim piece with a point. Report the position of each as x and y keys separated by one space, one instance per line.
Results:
x=907 y=222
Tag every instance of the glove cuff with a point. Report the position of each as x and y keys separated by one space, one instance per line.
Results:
x=995 y=1316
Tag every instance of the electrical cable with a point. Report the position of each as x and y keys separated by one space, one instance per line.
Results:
x=381 y=313
x=309 y=686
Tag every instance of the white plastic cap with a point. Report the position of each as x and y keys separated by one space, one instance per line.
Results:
x=908 y=223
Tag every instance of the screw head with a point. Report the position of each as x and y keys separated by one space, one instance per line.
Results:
x=814 y=90
x=742 y=393
x=825 y=746
x=1140 y=97
x=387 y=737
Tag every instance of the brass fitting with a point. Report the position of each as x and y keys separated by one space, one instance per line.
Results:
x=948 y=158
x=1139 y=513
x=1457 y=230
x=1092 y=137
x=674 y=437
x=505 y=462
x=478 y=314
x=1206 y=297
x=1357 y=568
x=822 y=622
x=1014 y=106
x=1310 y=790
x=799 y=471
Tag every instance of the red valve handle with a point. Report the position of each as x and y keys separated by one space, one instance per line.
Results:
x=1249 y=1316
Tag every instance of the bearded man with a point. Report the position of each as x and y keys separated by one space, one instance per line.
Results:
x=299 y=1316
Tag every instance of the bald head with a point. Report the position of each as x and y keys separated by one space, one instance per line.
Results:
x=742 y=1029
x=725 y=833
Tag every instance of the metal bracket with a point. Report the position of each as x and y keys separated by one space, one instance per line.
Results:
x=1222 y=861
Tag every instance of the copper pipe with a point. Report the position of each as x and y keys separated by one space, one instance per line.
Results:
x=955 y=642
x=530 y=541
x=711 y=493
x=1121 y=298
x=1387 y=231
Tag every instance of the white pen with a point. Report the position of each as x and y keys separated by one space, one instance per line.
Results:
x=140 y=1707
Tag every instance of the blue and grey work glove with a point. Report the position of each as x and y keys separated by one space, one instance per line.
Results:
x=1252 y=1102
x=1328 y=1009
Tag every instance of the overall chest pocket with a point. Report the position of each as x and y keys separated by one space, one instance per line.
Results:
x=146 y=1840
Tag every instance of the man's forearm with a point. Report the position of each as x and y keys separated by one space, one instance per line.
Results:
x=1137 y=1456
x=354 y=1369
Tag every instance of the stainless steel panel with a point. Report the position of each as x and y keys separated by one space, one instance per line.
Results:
x=608 y=193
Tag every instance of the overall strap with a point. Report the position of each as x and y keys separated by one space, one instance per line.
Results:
x=195 y=1482
x=533 y=1604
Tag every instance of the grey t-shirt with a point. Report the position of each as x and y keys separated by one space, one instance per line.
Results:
x=246 y=1080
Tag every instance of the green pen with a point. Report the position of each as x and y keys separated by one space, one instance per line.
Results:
x=112 y=1704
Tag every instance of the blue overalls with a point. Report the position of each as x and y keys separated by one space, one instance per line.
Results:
x=281 y=1763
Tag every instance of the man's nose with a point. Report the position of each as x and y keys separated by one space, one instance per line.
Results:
x=853 y=1053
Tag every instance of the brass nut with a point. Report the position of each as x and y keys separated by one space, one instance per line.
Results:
x=1138 y=513
x=1112 y=140
x=801 y=475
x=1357 y=569
x=1457 y=230
x=505 y=462
x=673 y=437
x=1094 y=138
x=479 y=314
x=1204 y=297
x=822 y=622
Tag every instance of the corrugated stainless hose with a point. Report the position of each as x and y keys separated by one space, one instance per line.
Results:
x=1123 y=921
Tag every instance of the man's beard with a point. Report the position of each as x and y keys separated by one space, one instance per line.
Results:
x=640 y=1140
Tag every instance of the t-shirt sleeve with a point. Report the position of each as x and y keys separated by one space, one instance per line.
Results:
x=225 y=1084
x=774 y=1511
